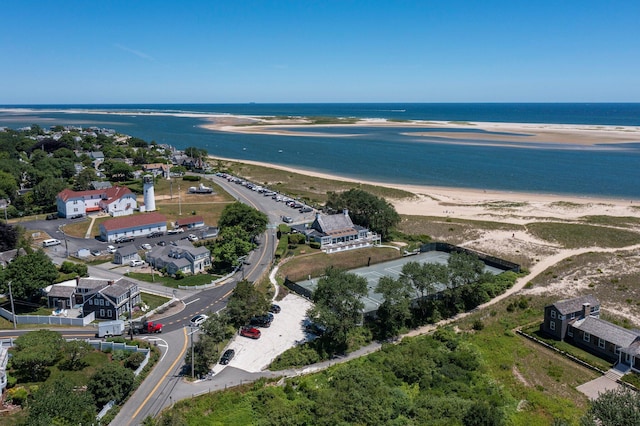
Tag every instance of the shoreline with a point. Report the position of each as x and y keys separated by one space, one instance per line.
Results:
x=478 y=204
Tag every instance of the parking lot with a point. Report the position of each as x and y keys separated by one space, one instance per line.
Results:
x=286 y=330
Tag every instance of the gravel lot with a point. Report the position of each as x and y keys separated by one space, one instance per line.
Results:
x=286 y=329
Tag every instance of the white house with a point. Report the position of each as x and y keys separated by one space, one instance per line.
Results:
x=117 y=201
x=132 y=226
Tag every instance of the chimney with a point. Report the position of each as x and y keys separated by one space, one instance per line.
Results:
x=77 y=280
x=109 y=282
x=586 y=310
x=345 y=212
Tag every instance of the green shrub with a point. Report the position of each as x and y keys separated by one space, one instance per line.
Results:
x=191 y=178
x=134 y=360
x=18 y=395
x=314 y=245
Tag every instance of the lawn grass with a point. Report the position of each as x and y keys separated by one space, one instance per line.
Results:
x=299 y=268
x=571 y=235
x=153 y=300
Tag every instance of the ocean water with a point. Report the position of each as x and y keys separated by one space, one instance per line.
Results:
x=388 y=154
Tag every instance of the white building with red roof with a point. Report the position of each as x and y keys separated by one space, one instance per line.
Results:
x=117 y=201
x=132 y=226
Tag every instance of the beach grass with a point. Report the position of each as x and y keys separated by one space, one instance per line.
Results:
x=312 y=189
x=572 y=235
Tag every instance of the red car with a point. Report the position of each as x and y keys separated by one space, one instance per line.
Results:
x=251 y=332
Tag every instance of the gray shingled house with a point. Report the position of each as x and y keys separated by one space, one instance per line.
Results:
x=578 y=322
x=337 y=232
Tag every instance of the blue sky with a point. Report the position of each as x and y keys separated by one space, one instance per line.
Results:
x=218 y=51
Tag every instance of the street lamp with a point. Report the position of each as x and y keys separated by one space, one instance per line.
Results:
x=13 y=309
x=192 y=352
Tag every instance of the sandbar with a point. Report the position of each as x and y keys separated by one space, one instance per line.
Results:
x=477 y=132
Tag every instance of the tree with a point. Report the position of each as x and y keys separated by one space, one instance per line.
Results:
x=205 y=355
x=246 y=217
x=464 y=268
x=117 y=170
x=616 y=407
x=34 y=351
x=8 y=237
x=59 y=403
x=84 y=178
x=245 y=302
x=232 y=243
x=8 y=186
x=424 y=278
x=75 y=351
x=29 y=274
x=111 y=382
x=338 y=305
x=45 y=192
x=396 y=308
x=366 y=210
x=217 y=327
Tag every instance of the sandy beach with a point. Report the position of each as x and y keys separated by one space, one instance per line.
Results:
x=473 y=204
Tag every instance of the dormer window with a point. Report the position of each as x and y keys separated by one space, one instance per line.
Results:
x=553 y=314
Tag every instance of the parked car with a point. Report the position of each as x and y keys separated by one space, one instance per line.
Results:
x=52 y=216
x=287 y=219
x=198 y=320
x=155 y=234
x=261 y=321
x=95 y=252
x=175 y=231
x=274 y=309
x=136 y=262
x=111 y=249
x=162 y=243
x=76 y=216
x=305 y=210
x=227 y=356
x=250 y=332
x=145 y=246
x=192 y=238
x=124 y=240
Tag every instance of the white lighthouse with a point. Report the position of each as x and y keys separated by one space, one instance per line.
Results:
x=149 y=194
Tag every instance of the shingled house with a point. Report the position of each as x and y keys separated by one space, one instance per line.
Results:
x=337 y=232
x=108 y=299
x=578 y=322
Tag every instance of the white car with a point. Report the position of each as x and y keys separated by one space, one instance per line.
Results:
x=192 y=238
x=136 y=262
x=198 y=320
x=175 y=231
x=146 y=246
x=111 y=249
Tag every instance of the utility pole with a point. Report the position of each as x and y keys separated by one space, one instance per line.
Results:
x=191 y=333
x=13 y=309
x=179 y=203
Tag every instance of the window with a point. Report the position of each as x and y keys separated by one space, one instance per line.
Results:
x=102 y=313
x=586 y=337
x=601 y=343
x=570 y=332
x=90 y=302
x=552 y=325
x=573 y=315
x=616 y=349
x=109 y=313
x=553 y=314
